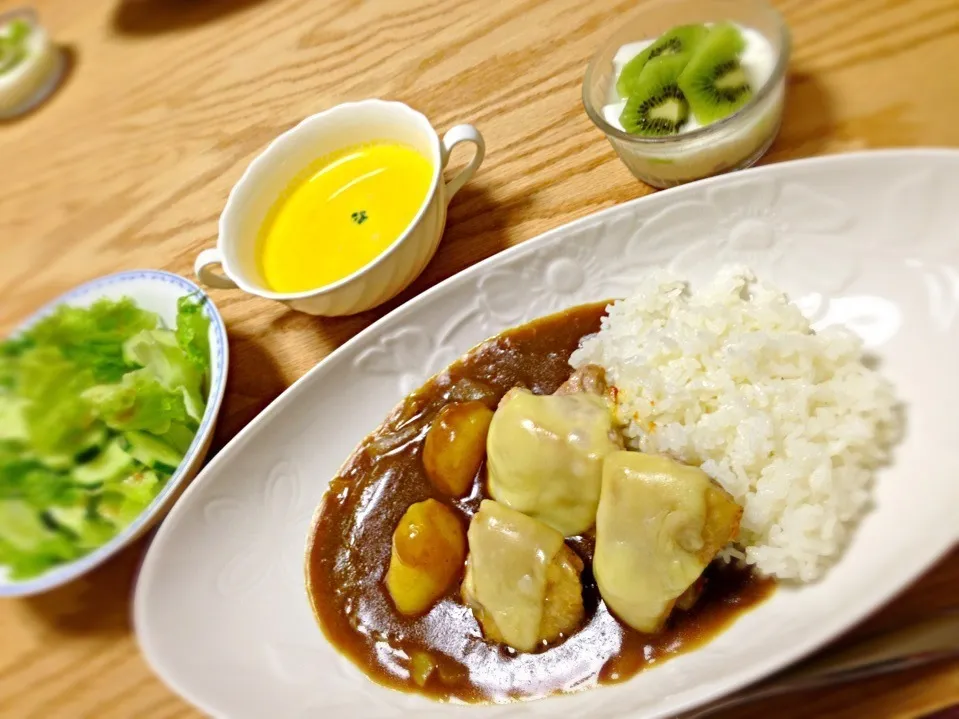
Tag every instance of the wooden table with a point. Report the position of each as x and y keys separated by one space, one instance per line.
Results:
x=167 y=102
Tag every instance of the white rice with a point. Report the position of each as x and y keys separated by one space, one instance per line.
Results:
x=733 y=379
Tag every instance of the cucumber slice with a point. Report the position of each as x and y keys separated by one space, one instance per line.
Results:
x=111 y=463
x=21 y=526
x=152 y=451
x=89 y=531
x=94 y=441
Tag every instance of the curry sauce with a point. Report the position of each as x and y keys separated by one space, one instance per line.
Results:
x=350 y=551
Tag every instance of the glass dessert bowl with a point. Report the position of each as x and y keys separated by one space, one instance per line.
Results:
x=730 y=58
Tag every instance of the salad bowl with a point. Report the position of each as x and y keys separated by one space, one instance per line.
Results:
x=159 y=293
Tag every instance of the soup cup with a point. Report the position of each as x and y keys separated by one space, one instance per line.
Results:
x=273 y=171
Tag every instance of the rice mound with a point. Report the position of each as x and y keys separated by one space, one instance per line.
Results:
x=733 y=379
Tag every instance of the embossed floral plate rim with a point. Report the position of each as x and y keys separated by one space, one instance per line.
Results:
x=220 y=609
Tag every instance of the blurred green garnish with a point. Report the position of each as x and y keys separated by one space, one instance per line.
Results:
x=13 y=44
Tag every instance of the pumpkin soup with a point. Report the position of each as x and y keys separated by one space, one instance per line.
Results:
x=340 y=214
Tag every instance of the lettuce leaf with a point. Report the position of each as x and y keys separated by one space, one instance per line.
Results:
x=159 y=354
x=179 y=436
x=10 y=352
x=193 y=332
x=13 y=422
x=93 y=337
x=58 y=420
x=139 y=401
x=123 y=501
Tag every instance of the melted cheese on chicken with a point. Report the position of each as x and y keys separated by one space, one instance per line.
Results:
x=659 y=524
x=522 y=581
x=545 y=456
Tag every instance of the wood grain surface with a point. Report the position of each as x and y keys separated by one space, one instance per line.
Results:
x=168 y=100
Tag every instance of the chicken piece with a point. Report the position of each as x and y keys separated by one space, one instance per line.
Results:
x=545 y=455
x=687 y=600
x=455 y=446
x=659 y=525
x=429 y=547
x=588 y=379
x=563 y=611
x=522 y=581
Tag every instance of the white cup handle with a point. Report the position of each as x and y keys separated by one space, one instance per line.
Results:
x=206 y=275
x=456 y=135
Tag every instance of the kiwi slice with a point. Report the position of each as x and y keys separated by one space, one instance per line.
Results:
x=680 y=40
x=656 y=105
x=714 y=81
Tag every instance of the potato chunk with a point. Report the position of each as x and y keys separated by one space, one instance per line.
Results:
x=429 y=548
x=456 y=446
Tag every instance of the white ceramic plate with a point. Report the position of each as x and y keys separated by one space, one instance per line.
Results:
x=158 y=292
x=871 y=240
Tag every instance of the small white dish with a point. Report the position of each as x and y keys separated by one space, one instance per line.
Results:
x=34 y=78
x=270 y=174
x=158 y=292
x=867 y=240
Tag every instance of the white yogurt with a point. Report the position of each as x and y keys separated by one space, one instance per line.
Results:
x=730 y=147
x=29 y=81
